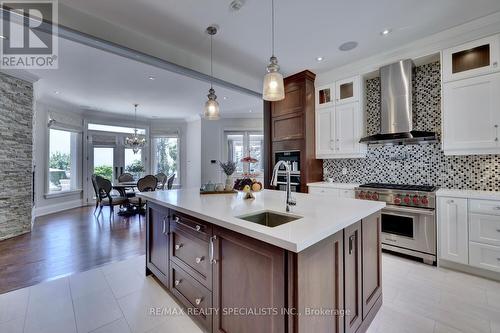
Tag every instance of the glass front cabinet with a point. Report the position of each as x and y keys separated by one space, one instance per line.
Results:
x=475 y=58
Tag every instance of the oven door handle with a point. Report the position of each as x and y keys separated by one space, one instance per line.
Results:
x=413 y=210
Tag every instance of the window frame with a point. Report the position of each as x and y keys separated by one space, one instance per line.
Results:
x=177 y=180
x=246 y=145
x=77 y=163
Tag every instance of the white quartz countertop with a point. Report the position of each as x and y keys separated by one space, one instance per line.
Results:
x=343 y=186
x=322 y=216
x=469 y=194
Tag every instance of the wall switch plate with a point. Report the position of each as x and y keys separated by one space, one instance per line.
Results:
x=344 y=171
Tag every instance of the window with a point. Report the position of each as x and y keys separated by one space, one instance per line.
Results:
x=166 y=156
x=63 y=171
x=133 y=163
x=115 y=129
x=243 y=144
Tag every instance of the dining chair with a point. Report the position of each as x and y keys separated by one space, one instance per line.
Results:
x=148 y=183
x=96 y=191
x=170 y=181
x=125 y=177
x=105 y=198
x=162 y=179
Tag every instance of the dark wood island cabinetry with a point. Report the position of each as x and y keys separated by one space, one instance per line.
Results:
x=240 y=284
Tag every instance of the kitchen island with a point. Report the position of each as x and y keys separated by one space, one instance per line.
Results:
x=248 y=266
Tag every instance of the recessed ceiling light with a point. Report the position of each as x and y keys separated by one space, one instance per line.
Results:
x=348 y=46
x=385 y=32
x=225 y=97
x=151 y=77
x=236 y=5
x=250 y=111
x=57 y=92
x=319 y=59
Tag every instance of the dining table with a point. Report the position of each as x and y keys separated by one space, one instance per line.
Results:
x=122 y=188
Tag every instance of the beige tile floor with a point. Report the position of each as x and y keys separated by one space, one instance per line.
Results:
x=118 y=297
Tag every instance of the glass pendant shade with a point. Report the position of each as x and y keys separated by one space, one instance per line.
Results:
x=136 y=143
x=212 y=110
x=274 y=87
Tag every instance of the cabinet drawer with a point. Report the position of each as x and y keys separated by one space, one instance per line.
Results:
x=324 y=191
x=192 y=294
x=484 y=256
x=192 y=254
x=190 y=225
x=489 y=207
x=347 y=194
x=484 y=229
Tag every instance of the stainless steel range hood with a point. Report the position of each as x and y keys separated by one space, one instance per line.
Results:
x=396 y=117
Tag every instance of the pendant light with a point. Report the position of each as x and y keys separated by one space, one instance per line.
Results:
x=212 y=109
x=136 y=143
x=274 y=87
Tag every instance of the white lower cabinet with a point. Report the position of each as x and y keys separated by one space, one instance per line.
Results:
x=484 y=256
x=453 y=229
x=341 y=191
x=324 y=191
x=469 y=231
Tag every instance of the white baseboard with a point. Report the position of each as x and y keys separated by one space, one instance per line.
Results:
x=469 y=269
x=45 y=210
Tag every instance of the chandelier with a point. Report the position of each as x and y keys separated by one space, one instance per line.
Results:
x=136 y=143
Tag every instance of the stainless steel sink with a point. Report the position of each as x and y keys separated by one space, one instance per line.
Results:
x=269 y=218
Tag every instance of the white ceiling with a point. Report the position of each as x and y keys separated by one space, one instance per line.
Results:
x=93 y=79
x=305 y=29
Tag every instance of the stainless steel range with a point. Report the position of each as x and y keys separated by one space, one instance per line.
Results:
x=409 y=219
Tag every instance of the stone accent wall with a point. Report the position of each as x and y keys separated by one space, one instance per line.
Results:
x=16 y=145
x=416 y=164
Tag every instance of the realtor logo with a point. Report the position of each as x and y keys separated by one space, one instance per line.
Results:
x=29 y=35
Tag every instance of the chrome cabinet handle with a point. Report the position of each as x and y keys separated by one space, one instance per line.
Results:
x=351 y=240
x=177 y=282
x=199 y=259
x=164 y=225
x=495 y=64
x=196 y=228
x=496 y=208
x=178 y=246
x=211 y=250
x=198 y=301
x=498 y=230
x=451 y=201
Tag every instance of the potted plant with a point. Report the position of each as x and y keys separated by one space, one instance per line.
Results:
x=228 y=168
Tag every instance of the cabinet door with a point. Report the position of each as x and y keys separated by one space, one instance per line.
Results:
x=288 y=127
x=325 y=144
x=471 y=115
x=353 y=277
x=452 y=226
x=324 y=191
x=346 y=129
x=485 y=256
x=372 y=261
x=325 y=96
x=347 y=90
x=471 y=59
x=157 y=260
x=248 y=274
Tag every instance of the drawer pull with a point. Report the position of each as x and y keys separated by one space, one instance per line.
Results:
x=497 y=208
x=196 y=228
x=211 y=250
x=198 y=301
x=178 y=246
x=177 y=282
x=498 y=230
x=199 y=259
x=451 y=201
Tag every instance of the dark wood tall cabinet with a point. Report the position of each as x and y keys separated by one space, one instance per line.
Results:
x=157 y=240
x=289 y=125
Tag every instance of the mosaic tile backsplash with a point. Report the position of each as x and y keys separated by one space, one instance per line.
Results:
x=416 y=164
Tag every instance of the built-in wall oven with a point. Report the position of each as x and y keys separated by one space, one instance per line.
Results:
x=408 y=220
x=292 y=157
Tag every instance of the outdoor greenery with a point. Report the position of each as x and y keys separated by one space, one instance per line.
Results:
x=135 y=167
x=166 y=155
x=105 y=171
x=59 y=161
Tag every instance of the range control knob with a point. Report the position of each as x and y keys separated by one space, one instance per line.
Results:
x=361 y=195
x=397 y=200
x=406 y=199
x=424 y=201
x=368 y=196
x=375 y=196
x=416 y=200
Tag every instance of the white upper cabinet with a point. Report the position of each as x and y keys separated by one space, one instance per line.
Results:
x=453 y=229
x=325 y=96
x=471 y=59
x=347 y=90
x=325 y=144
x=339 y=120
x=471 y=116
